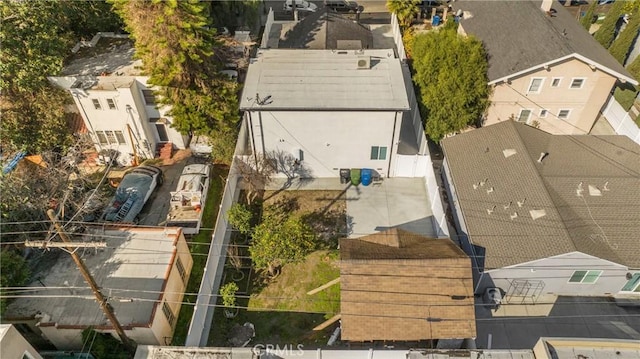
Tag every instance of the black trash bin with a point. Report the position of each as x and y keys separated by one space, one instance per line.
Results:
x=345 y=175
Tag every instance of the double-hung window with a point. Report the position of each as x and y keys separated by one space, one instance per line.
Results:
x=633 y=285
x=536 y=85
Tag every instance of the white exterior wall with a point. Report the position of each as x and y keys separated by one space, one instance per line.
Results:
x=585 y=103
x=330 y=140
x=555 y=272
x=13 y=344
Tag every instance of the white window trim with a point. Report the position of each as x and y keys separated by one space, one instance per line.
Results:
x=93 y=103
x=539 y=87
x=520 y=114
x=27 y=354
x=632 y=289
x=559 y=81
x=585 y=276
x=584 y=80
x=115 y=106
x=546 y=112
x=568 y=114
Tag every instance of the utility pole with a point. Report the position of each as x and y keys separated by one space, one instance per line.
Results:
x=106 y=307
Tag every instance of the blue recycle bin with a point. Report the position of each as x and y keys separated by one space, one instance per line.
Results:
x=365 y=176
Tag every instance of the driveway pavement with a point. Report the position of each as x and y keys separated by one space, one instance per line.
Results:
x=586 y=317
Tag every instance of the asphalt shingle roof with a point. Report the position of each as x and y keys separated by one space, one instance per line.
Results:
x=518 y=35
x=325 y=30
x=392 y=282
x=497 y=194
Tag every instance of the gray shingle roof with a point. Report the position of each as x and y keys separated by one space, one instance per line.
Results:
x=327 y=31
x=604 y=224
x=518 y=35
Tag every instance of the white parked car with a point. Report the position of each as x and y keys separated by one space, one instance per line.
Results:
x=188 y=200
x=301 y=5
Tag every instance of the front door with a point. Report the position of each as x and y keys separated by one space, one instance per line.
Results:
x=162 y=132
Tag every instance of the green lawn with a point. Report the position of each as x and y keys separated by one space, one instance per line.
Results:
x=200 y=251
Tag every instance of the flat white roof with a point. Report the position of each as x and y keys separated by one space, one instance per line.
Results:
x=131 y=271
x=572 y=348
x=324 y=80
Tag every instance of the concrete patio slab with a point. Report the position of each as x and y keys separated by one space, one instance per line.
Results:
x=396 y=202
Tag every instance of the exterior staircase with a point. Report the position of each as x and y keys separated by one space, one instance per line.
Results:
x=164 y=150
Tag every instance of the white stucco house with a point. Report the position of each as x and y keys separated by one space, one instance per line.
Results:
x=116 y=104
x=143 y=272
x=329 y=109
x=14 y=345
x=547 y=214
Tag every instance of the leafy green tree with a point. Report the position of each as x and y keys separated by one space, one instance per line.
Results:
x=452 y=80
x=587 y=19
x=228 y=294
x=622 y=46
x=607 y=30
x=634 y=68
x=14 y=272
x=405 y=10
x=176 y=46
x=35 y=39
x=240 y=217
x=277 y=242
x=105 y=345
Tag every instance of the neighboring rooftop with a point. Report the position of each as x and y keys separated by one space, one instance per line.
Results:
x=572 y=348
x=109 y=56
x=519 y=35
x=325 y=80
x=401 y=286
x=324 y=30
x=133 y=265
x=521 y=205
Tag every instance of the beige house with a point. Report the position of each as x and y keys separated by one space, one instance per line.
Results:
x=143 y=272
x=544 y=67
x=401 y=286
x=14 y=345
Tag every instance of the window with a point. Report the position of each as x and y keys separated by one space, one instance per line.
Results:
x=111 y=104
x=181 y=271
x=148 y=97
x=535 y=85
x=577 y=83
x=564 y=114
x=543 y=113
x=633 y=285
x=556 y=81
x=168 y=313
x=96 y=104
x=120 y=137
x=102 y=138
x=585 y=276
x=524 y=115
x=378 y=153
x=111 y=137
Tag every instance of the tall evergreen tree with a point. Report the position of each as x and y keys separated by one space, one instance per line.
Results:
x=452 y=80
x=173 y=40
x=622 y=46
x=607 y=31
x=587 y=19
x=35 y=39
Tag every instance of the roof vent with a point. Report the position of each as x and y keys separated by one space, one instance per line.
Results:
x=537 y=213
x=509 y=152
x=364 y=62
x=594 y=191
x=542 y=156
x=546 y=5
x=513 y=216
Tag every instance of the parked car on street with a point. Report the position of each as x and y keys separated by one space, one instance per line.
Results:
x=343 y=6
x=301 y=6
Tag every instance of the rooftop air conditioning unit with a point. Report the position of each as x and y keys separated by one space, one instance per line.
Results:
x=364 y=62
